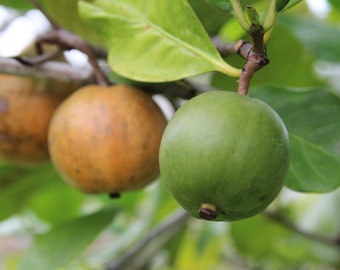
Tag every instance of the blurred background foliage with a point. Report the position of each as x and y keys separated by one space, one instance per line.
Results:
x=45 y=224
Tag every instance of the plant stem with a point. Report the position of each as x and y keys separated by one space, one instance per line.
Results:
x=271 y=17
x=246 y=75
x=67 y=40
x=170 y=227
x=256 y=58
x=225 y=49
x=282 y=220
x=51 y=69
x=239 y=14
x=38 y=6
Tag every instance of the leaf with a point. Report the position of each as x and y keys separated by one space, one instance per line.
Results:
x=291 y=4
x=18 y=4
x=64 y=243
x=200 y=247
x=274 y=246
x=223 y=5
x=319 y=38
x=335 y=3
x=312 y=119
x=249 y=237
x=65 y=13
x=47 y=203
x=280 y=4
x=290 y=64
x=18 y=186
x=313 y=169
x=211 y=18
x=146 y=43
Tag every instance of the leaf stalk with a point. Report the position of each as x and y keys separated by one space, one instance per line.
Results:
x=239 y=14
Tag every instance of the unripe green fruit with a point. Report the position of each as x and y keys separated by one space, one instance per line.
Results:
x=224 y=156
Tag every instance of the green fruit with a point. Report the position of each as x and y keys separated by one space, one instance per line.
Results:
x=224 y=156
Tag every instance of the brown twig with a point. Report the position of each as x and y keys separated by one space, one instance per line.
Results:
x=282 y=220
x=256 y=58
x=39 y=59
x=169 y=228
x=65 y=40
x=38 y=6
x=51 y=69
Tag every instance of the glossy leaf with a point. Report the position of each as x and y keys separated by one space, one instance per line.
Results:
x=291 y=4
x=312 y=119
x=145 y=44
x=280 y=4
x=65 y=13
x=223 y=5
x=211 y=18
x=64 y=243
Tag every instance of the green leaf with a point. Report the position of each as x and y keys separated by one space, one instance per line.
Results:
x=280 y=4
x=312 y=119
x=313 y=169
x=17 y=4
x=223 y=5
x=200 y=247
x=18 y=186
x=65 y=13
x=146 y=43
x=47 y=203
x=64 y=243
x=320 y=39
x=257 y=236
x=335 y=3
x=291 y=4
x=211 y=18
x=275 y=247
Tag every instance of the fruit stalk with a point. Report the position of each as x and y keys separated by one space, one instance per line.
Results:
x=256 y=58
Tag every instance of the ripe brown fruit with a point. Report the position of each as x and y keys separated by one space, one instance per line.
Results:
x=26 y=107
x=106 y=139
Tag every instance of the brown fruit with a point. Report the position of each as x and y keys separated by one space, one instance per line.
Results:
x=26 y=107
x=106 y=139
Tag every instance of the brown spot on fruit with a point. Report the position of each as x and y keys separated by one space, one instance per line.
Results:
x=103 y=130
x=3 y=105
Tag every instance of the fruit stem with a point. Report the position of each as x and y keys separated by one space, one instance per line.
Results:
x=207 y=211
x=256 y=58
x=114 y=195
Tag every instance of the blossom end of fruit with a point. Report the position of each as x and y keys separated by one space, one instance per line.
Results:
x=207 y=211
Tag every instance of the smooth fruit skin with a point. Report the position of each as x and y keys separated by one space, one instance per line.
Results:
x=226 y=151
x=26 y=107
x=106 y=139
